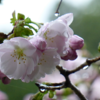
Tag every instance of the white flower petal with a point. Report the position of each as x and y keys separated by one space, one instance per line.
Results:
x=23 y=43
x=49 y=60
x=7 y=61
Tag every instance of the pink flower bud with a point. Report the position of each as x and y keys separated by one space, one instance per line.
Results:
x=39 y=43
x=2 y=75
x=5 y=80
x=71 y=55
x=76 y=42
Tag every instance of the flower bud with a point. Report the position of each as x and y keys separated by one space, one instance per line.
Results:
x=2 y=75
x=76 y=42
x=5 y=80
x=71 y=55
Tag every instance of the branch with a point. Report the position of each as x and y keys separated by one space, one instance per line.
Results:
x=79 y=94
x=87 y=63
x=67 y=83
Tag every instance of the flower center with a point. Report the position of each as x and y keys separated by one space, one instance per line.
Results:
x=18 y=54
x=45 y=36
x=42 y=60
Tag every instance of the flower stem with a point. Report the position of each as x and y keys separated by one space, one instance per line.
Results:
x=31 y=27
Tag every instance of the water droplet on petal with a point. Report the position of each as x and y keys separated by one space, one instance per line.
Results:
x=57 y=14
x=42 y=89
x=86 y=67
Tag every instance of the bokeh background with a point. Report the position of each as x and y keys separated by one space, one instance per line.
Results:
x=86 y=24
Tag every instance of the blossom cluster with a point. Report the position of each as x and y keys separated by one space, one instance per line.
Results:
x=30 y=59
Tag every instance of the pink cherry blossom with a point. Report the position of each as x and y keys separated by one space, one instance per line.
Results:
x=48 y=59
x=57 y=33
x=67 y=18
x=17 y=58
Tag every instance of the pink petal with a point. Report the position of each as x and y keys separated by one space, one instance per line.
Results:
x=25 y=45
x=67 y=18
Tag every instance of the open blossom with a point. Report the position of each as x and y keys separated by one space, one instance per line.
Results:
x=49 y=58
x=17 y=58
x=58 y=34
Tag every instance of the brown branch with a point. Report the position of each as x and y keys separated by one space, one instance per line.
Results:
x=50 y=86
x=57 y=11
x=67 y=83
x=79 y=94
x=87 y=63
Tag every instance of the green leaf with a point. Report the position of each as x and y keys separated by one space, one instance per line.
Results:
x=21 y=31
x=51 y=93
x=39 y=96
x=28 y=20
x=67 y=92
x=27 y=32
x=20 y=16
x=13 y=19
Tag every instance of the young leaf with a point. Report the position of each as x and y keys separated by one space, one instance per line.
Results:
x=20 y=16
x=38 y=96
x=28 y=20
x=51 y=93
x=13 y=19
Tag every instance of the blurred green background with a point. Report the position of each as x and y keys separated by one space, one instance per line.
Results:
x=86 y=24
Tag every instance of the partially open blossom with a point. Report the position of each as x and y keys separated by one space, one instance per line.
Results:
x=57 y=33
x=17 y=58
x=48 y=59
x=76 y=42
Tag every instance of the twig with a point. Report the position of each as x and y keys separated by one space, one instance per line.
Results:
x=67 y=83
x=57 y=11
x=79 y=94
x=87 y=63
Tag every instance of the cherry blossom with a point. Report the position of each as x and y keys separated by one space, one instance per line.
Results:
x=48 y=59
x=17 y=58
x=57 y=32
